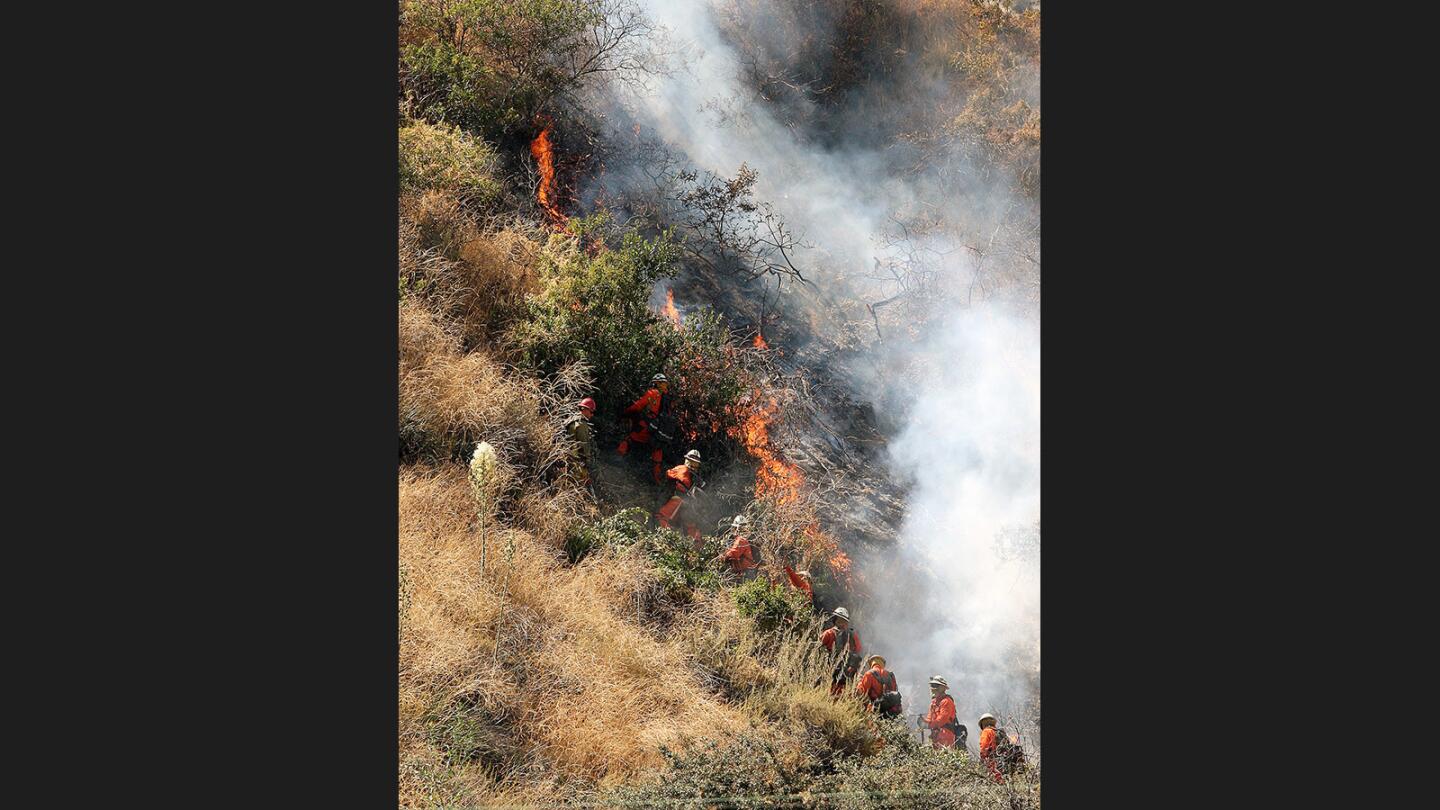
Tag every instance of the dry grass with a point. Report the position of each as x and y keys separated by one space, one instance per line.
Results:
x=477 y=274
x=779 y=679
x=541 y=663
x=471 y=397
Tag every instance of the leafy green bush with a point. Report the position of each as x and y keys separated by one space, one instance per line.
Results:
x=448 y=84
x=680 y=569
x=491 y=65
x=596 y=308
x=437 y=156
x=621 y=530
x=771 y=606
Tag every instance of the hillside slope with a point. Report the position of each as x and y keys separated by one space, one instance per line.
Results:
x=556 y=646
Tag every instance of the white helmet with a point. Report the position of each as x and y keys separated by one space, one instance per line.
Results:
x=740 y=520
x=659 y=378
x=986 y=716
x=841 y=613
x=936 y=680
x=693 y=455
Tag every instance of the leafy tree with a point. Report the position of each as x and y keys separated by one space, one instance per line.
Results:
x=492 y=65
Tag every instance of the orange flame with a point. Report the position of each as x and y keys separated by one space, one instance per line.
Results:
x=760 y=341
x=776 y=476
x=670 y=312
x=823 y=545
x=781 y=480
x=544 y=155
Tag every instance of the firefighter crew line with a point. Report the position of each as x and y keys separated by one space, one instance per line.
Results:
x=1000 y=751
x=877 y=686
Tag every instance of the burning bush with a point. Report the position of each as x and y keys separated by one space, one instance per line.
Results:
x=594 y=307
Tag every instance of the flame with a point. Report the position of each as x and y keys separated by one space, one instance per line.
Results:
x=776 y=476
x=544 y=155
x=823 y=545
x=783 y=481
x=760 y=341
x=670 y=312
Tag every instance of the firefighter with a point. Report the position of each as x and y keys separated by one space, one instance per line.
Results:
x=801 y=580
x=582 y=434
x=879 y=688
x=944 y=729
x=740 y=554
x=686 y=481
x=843 y=642
x=643 y=413
x=998 y=750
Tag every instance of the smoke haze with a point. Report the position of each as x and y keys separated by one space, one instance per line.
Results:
x=958 y=594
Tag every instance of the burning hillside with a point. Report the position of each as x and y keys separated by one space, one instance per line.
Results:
x=808 y=258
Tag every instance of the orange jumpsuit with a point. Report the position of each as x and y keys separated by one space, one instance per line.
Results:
x=684 y=479
x=800 y=583
x=741 y=558
x=641 y=412
x=942 y=713
x=827 y=640
x=874 y=683
x=987 y=752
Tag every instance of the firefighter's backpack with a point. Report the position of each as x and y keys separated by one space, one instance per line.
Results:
x=889 y=702
x=1008 y=752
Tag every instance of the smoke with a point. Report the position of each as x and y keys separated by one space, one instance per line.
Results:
x=960 y=596
x=957 y=594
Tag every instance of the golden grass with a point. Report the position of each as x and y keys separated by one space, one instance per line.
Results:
x=471 y=397
x=549 y=656
x=476 y=273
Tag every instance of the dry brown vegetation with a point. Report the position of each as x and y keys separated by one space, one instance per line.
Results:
x=537 y=674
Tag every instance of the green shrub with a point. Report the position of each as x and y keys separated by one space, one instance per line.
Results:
x=490 y=65
x=448 y=84
x=437 y=156
x=596 y=308
x=679 y=568
x=771 y=606
x=620 y=530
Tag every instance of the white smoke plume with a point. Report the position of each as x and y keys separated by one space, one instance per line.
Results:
x=971 y=446
x=959 y=593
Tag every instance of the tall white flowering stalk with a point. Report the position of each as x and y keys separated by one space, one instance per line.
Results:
x=483 y=467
